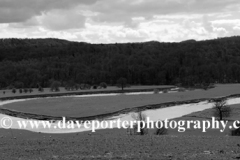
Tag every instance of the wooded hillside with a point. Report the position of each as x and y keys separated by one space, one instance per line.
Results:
x=33 y=62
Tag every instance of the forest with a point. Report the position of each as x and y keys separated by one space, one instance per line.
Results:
x=39 y=62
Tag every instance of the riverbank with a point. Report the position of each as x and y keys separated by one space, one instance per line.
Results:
x=26 y=115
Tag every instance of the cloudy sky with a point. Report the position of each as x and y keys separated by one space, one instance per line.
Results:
x=110 y=21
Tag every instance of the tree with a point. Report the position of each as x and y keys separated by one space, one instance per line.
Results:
x=95 y=87
x=142 y=124
x=55 y=86
x=122 y=83
x=14 y=90
x=221 y=109
x=27 y=63
x=25 y=90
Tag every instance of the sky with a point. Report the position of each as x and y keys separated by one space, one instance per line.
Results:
x=120 y=21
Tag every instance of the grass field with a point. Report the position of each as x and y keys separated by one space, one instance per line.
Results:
x=82 y=107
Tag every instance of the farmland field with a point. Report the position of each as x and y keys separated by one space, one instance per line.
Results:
x=89 y=106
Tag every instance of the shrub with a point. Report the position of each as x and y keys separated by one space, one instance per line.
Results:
x=178 y=84
x=4 y=92
x=211 y=86
x=40 y=89
x=156 y=91
x=87 y=86
x=67 y=88
x=70 y=85
x=84 y=86
x=20 y=90
x=236 y=132
x=165 y=91
x=103 y=85
x=161 y=130
x=207 y=86
x=30 y=90
x=143 y=129
x=181 y=89
x=77 y=86
x=95 y=87
x=25 y=90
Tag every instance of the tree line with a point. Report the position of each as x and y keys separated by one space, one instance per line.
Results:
x=30 y=63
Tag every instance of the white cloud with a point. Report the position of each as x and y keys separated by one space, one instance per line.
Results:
x=109 y=21
x=62 y=20
x=12 y=11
